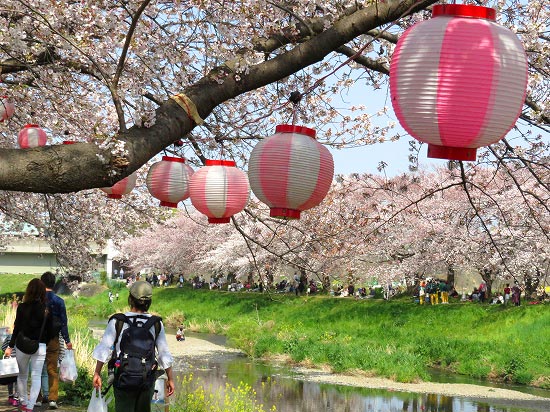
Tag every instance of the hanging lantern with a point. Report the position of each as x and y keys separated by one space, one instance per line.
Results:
x=32 y=136
x=219 y=190
x=168 y=180
x=458 y=81
x=121 y=188
x=290 y=171
x=7 y=108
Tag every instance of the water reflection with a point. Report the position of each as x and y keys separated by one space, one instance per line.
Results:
x=289 y=393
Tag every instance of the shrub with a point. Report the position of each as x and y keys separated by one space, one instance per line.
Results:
x=175 y=319
x=523 y=377
x=103 y=277
x=266 y=344
x=78 y=393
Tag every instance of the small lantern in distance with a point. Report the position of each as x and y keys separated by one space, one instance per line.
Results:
x=7 y=108
x=121 y=188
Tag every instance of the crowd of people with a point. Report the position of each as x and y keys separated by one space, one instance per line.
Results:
x=433 y=291
x=430 y=291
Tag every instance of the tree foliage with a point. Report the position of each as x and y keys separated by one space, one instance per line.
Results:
x=370 y=227
x=105 y=74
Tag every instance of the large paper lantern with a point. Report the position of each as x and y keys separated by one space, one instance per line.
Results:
x=6 y=108
x=121 y=188
x=458 y=81
x=219 y=190
x=31 y=136
x=168 y=180
x=290 y=171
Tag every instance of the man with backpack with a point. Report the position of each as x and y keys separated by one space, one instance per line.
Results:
x=135 y=342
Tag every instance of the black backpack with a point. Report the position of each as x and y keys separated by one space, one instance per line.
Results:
x=136 y=368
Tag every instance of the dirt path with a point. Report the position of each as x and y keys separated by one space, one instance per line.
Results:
x=198 y=348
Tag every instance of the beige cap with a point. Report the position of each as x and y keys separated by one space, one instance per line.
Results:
x=141 y=290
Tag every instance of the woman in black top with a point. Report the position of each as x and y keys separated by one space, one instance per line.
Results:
x=29 y=318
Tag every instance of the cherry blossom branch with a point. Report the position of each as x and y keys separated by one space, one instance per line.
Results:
x=465 y=183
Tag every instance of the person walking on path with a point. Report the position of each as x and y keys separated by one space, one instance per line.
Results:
x=58 y=313
x=133 y=400
x=13 y=398
x=32 y=323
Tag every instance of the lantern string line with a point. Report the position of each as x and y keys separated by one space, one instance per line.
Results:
x=190 y=109
x=319 y=81
x=359 y=52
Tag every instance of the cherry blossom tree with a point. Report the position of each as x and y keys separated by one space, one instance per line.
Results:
x=369 y=227
x=128 y=80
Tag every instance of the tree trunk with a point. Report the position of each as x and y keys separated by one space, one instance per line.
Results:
x=451 y=276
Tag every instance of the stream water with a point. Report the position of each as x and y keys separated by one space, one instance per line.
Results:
x=291 y=392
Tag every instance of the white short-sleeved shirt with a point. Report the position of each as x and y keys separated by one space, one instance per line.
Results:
x=104 y=349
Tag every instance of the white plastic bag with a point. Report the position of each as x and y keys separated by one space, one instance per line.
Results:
x=8 y=368
x=97 y=403
x=67 y=369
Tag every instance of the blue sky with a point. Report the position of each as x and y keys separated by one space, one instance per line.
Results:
x=366 y=159
x=395 y=154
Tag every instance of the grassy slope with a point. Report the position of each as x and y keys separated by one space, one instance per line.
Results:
x=397 y=339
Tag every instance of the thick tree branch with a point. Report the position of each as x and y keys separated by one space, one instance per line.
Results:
x=69 y=168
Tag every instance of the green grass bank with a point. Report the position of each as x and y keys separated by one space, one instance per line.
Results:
x=397 y=339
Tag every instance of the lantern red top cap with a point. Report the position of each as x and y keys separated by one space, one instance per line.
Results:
x=290 y=128
x=30 y=125
x=464 y=10
x=220 y=163
x=173 y=159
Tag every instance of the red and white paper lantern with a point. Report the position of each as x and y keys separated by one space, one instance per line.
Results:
x=168 y=180
x=219 y=190
x=121 y=188
x=290 y=171
x=6 y=108
x=31 y=136
x=458 y=81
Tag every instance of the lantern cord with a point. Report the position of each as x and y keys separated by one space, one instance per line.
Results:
x=295 y=98
x=360 y=51
x=322 y=79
